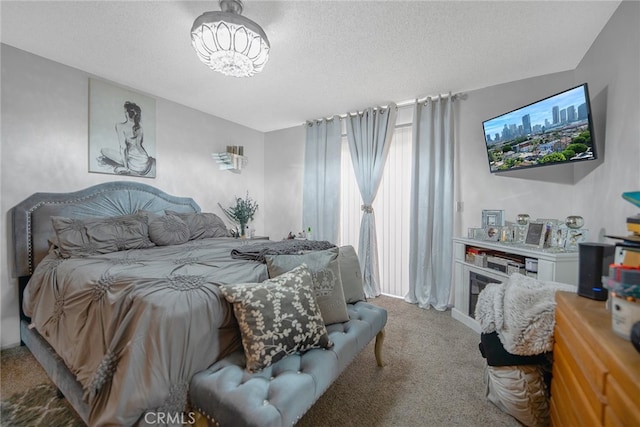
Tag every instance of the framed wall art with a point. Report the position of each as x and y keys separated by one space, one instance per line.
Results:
x=122 y=131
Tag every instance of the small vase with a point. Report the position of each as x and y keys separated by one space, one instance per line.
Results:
x=243 y=231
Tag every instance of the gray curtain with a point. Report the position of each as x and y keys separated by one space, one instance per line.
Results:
x=431 y=216
x=369 y=134
x=321 y=192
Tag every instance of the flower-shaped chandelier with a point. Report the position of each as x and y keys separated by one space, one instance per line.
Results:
x=230 y=43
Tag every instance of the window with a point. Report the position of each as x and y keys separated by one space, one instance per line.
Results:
x=391 y=208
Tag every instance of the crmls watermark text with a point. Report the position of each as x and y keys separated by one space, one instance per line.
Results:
x=170 y=418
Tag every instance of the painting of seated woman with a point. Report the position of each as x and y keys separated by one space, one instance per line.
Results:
x=125 y=148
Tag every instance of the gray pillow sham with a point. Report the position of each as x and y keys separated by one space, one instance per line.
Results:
x=202 y=225
x=85 y=237
x=351 y=275
x=325 y=271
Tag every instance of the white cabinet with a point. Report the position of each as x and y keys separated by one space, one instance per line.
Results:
x=552 y=265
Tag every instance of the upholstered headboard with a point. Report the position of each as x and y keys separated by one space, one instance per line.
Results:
x=32 y=226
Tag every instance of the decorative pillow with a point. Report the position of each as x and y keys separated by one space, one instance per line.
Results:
x=168 y=230
x=277 y=317
x=351 y=275
x=327 y=285
x=202 y=225
x=84 y=237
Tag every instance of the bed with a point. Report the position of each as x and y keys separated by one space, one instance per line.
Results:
x=123 y=330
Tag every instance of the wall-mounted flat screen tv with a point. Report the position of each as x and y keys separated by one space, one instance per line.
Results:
x=552 y=131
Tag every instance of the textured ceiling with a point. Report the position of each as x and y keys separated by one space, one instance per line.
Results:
x=327 y=57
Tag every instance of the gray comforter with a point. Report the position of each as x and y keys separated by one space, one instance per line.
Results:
x=134 y=326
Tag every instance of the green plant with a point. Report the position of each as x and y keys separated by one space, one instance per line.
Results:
x=242 y=212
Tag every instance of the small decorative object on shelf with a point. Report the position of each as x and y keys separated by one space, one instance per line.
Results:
x=507 y=233
x=241 y=213
x=574 y=222
x=522 y=219
x=475 y=233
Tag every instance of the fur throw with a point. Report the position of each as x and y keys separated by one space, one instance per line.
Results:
x=522 y=312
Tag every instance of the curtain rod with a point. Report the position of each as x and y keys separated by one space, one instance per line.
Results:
x=403 y=104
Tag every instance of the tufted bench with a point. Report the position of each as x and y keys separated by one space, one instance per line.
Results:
x=226 y=394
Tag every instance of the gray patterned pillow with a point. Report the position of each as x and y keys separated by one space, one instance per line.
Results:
x=85 y=237
x=277 y=317
x=202 y=225
x=325 y=270
x=168 y=230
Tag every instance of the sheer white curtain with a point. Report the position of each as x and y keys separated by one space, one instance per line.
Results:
x=430 y=247
x=321 y=191
x=369 y=134
x=392 y=205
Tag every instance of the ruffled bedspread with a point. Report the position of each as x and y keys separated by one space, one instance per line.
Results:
x=522 y=311
x=134 y=326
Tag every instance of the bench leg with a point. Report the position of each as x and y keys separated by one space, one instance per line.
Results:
x=378 y=348
x=202 y=421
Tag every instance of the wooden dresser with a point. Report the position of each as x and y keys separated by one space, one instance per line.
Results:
x=596 y=374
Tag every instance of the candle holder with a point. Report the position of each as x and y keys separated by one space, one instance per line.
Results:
x=574 y=222
x=522 y=219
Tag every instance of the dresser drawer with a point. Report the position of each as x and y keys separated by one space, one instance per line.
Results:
x=611 y=419
x=586 y=407
x=594 y=370
x=586 y=394
x=562 y=410
x=626 y=408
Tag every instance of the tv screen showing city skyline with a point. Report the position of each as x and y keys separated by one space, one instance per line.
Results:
x=556 y=129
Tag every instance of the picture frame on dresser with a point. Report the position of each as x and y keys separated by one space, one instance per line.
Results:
x=535 y=236
x=492 y=218
x=476 y=233
x=574 y=238
x=492 y=234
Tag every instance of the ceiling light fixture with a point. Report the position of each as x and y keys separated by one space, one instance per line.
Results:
x=230 y=43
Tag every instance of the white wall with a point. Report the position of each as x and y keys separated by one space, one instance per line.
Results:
x=45 y=148
x=284 y=165
x=612 y=68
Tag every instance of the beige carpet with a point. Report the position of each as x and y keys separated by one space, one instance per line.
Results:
x=433 y=377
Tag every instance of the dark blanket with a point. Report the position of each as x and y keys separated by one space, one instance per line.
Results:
x=257 y=251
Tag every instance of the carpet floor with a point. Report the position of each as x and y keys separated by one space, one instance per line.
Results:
x=433 y=377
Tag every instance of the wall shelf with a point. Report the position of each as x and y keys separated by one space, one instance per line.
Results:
x=230 y=161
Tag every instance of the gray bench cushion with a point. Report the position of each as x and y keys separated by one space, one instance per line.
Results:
x=280 y=394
